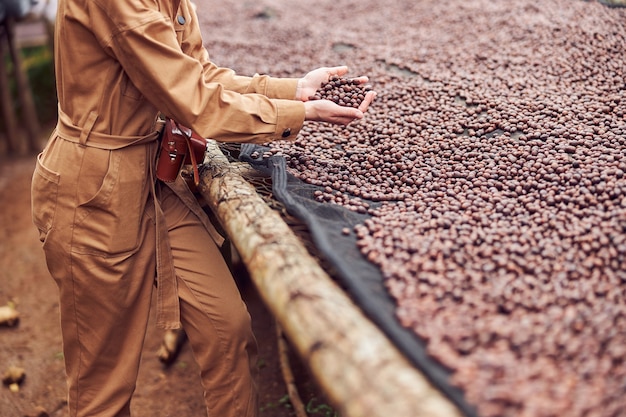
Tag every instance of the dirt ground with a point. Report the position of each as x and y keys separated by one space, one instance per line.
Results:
x=35 y=343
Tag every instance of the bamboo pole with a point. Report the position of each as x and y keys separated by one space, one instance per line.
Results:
x=358 y=368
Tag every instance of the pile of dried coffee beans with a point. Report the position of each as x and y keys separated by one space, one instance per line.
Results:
x=492 y=164
x=342 y=91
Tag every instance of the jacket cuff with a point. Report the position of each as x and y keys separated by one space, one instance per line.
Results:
x=290 y=119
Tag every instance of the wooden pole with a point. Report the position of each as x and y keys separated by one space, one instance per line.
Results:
x=29 y=114
x=359 y=369
x=12 y=137
x=290 y=381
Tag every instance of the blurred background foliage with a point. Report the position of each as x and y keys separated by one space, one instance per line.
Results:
x=38 y=62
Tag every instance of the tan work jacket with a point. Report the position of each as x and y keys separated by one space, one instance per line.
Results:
x=119 y=64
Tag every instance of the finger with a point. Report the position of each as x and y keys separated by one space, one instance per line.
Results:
x=361 y=80
x=346 y=120
x=369 y=97
x=355 y=114
x=338 y=71
x=345 y=115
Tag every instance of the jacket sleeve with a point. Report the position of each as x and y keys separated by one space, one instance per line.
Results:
x=192 y=44
x=186 y=86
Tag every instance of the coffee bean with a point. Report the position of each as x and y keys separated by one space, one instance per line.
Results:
x=342 y=91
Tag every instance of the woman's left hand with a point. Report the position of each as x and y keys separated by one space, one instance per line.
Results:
x=311 y=82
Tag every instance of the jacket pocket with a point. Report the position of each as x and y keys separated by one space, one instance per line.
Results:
x=111 y=202
x=44 y=194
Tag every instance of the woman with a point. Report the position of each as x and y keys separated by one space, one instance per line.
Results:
x=108 y=228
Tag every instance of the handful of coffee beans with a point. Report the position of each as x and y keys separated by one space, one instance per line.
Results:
x=342 y=91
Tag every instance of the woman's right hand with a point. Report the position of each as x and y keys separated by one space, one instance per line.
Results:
x=327 y=111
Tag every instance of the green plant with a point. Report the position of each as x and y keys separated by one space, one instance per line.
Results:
x=282 y=402
x=38 y=62
x=322 y=409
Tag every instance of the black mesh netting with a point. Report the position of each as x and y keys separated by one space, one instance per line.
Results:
x=361 y=279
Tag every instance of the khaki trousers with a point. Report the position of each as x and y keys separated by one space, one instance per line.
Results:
x=105 y=298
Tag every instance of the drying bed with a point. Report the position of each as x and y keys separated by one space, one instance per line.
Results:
x=500 y=227
x=489 y=177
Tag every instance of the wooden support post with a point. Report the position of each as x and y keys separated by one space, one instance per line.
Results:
x=29 y=114
x=12 y=135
